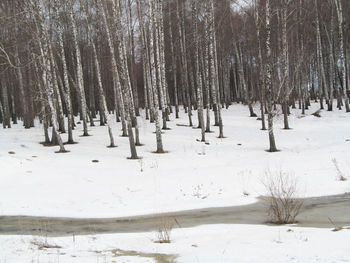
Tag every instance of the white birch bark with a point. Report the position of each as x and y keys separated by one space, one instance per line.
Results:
x=105 y=112
x=132 y=58
x=174 y=66
x=206 y=66
x=321 y=57
x=341 y=26
x=47 y=73
x=160 y=65
x=261 y=67
x=43 y=104
x=116 y=82
x=286 y=79
x=215 y=71
x=198 y=72
x=67 y=89
x=80 y=78
x=269 y=88
x=145 y=61
x=211 y=58
x=153 y=77
x=125 y=80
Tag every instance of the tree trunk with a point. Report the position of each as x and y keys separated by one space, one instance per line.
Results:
x=47 y=74
x=106 y=116
x=269 y=88
x=341 y=26
x=153 y=78
x=198 y=72
x=80 y=77
x=125 y=81
x=118 y=99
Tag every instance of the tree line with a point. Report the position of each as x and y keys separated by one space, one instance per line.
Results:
x=109 y=59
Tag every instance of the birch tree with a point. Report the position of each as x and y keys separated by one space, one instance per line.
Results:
x=153 y=70
x=286 y=79
x=341 y=26
x=115 y=75
x=105 y=112
x=268 y=78
x=47 y=71
x=80 y=77
x=257 y=20
x=201 y=123
x=125 y=80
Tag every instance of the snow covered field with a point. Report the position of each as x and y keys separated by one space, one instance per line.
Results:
x=204 y=244
x=192 y=175
x=38 y=182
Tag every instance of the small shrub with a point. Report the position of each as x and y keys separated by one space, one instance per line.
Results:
x=283 y=206
x=43 y=244
x=164 y=231
x=341 y=176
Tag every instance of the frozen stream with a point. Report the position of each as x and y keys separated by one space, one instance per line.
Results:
x=315 y=213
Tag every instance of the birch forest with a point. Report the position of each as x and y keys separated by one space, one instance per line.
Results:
x=98 y=62
x=174 y=131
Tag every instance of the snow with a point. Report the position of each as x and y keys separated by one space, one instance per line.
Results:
x=37 y=181
x=214 y=243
